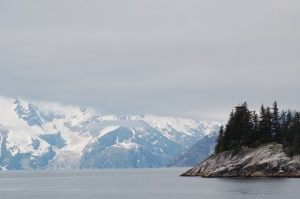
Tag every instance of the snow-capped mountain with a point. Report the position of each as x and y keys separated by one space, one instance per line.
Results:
x=38 y=135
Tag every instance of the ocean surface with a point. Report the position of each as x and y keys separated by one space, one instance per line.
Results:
x=139 y=184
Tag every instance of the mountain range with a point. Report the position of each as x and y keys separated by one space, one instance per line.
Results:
x=40 y=135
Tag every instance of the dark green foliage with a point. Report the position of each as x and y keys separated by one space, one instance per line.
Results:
x=289 y=136
x=247 y=128
x=295 y=128
x=220 y=139
x=254 y=133
x=265 y=125
x=275 y=129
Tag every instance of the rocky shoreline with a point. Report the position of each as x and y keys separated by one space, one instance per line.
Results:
x=266 y=161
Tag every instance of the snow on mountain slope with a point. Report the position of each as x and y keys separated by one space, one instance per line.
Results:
x=179 y=129
x=20 y=136
x=38 y=135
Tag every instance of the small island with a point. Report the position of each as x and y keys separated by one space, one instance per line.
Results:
x=252 y=145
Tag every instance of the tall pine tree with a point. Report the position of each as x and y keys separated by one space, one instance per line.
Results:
x=220 y=141
x=275 y=129
x=265 y=124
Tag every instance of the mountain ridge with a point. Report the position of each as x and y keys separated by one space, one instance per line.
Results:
x=39 y=135
x=196 y=153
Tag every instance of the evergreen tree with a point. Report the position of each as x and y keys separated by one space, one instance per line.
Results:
x=262 y=123
x=275 y=129
x=264 y=129
x=254 y=136
x=289 y=131
x=228 y=133
x=283 y=128
x=296 y=132
x=238 y=128
x=255 y=125
x=220 y=141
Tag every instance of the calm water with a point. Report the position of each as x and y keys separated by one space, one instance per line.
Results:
x=139 y=184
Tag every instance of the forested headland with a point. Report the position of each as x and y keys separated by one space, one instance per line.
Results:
x=251 y=129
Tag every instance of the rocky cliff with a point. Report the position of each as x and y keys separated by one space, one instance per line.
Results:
x=265 y=161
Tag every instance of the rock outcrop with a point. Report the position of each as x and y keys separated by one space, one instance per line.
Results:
x=265 y=161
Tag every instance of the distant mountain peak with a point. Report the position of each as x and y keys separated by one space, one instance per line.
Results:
x=53 y=136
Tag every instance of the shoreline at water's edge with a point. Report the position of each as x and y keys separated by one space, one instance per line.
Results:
x=262 y=176
x=268 y=161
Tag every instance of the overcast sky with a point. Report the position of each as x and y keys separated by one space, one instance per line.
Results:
x=186 y=58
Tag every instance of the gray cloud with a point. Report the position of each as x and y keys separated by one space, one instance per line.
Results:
x=186 y=58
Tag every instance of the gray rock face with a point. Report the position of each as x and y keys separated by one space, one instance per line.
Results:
x=265 y=161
